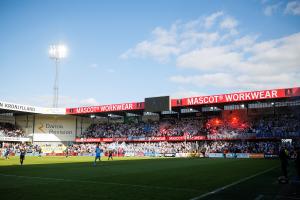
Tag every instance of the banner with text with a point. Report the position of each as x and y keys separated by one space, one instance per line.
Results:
x=54 y=128
x=31 y=109
x=237 y=97
x=150 y=139
x=15 y=139
x=106 y=108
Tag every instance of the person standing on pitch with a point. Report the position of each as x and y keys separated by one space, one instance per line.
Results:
x=6 y=154
x=283 y=155
x=110 y=154
x=67 y=151
x=22 y=155
x=297 y=162
x=98 y=154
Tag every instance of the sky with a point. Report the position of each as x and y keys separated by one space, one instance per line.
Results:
x=127 y=50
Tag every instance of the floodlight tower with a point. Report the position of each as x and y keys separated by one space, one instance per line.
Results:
x=57 y=52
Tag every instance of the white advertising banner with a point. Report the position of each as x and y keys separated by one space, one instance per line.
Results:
x=32 y=109
x=54 y=128
x=14 y=139
x=51 y=111
x=17 y=107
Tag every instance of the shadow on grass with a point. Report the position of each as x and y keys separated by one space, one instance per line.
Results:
x=83 y=160
x=126 y=178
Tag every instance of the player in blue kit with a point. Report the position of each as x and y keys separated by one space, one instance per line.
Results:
x=98 y=154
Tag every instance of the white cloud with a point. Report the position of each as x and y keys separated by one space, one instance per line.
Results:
x=235 y=81
x=269 y=10
x=293 y=8
x=247 y=56
x=212 y=58
x=276 y=56
x=245 y=64
x=210 y=20
x=245 y=41
x=220 y=57
x=182 y=37
x=160 y=48
x=157 y=51
x=165 y=37
x=229 y=23
x=192 y=39
x=213 y=80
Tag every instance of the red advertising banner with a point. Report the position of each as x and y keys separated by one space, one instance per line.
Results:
x=88 y=140
x=236 y=97
x=151 y=139
x=197 y=138
x=164 y=139
x=106 y=108
x=176 y=138
x=200 y=100
x=158 y=139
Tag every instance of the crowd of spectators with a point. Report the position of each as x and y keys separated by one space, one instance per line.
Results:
x=269 y=147
x=10 y=130
x=242 y=147
x=142 y=148
x=14 y=148
x=213 y=128
x=276 y=126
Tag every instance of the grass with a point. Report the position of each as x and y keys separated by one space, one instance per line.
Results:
x=135 y=178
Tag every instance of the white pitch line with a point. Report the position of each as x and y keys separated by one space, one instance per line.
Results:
x=231 y=184
x=99 y=182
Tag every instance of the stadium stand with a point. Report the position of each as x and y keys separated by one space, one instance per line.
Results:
x=214 y=128
x=10 y=130
x=243 y=122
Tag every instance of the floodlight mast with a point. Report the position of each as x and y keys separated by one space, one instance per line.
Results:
x=57 y=52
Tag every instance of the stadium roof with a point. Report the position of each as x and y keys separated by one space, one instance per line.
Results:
x=176 y=104
x=194 y=102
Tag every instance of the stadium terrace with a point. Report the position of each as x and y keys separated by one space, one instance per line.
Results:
x=248 y=128
x=234 y=116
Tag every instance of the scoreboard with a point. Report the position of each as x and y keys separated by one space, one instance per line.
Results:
x=157 y=104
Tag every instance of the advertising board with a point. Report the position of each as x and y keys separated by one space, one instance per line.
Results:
x=54 y=128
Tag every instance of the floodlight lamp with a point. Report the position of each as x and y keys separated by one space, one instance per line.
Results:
x=62 y=51
x=58 y=51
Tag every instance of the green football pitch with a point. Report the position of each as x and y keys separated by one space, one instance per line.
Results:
x=139 y=178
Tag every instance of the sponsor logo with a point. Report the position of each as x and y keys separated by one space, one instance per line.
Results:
x=41 y=128
x=53 y=128
x=12 y=106
x=243 y=96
